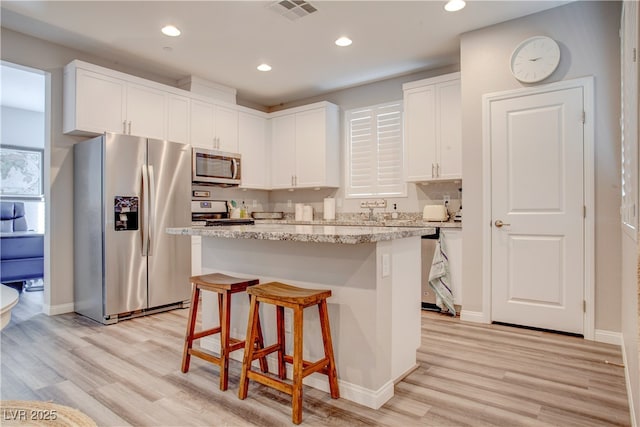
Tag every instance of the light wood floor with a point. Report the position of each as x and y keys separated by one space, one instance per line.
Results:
x=469 y=374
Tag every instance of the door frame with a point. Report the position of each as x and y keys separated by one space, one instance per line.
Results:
x=586 y=84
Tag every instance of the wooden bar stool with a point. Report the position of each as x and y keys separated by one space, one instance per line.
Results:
x=224 y=286
x=282 y=295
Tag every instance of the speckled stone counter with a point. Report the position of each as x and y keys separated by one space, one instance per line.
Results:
x=405 y=223
x=306 y=233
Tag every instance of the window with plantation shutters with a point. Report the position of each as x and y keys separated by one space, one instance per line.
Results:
x=375 y=151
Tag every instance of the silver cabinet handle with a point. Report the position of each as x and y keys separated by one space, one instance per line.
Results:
x=500 y=224
x=437 y=169
x=433 y=174
x=129 y=127
x=292 y=180
x=124 y=126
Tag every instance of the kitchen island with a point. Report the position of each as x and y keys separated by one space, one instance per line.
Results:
x=374 y=276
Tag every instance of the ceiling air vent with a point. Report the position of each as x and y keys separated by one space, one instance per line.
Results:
x=292 y=9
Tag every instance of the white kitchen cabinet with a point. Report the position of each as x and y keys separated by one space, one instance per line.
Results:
x=305 y=147
x=98 y=100
x=93 y=103
x=196 y=255
x=213 y=126
x=452 y=240
x=178 y=108
x=145 y=111
x=433 y=129
x=253 y=145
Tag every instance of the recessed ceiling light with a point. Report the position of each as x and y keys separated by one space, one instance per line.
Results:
x=264 y=67
x=170 y=31
x=454 y=5
x=343 y=41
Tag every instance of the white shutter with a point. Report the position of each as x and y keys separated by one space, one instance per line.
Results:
x=375 y=151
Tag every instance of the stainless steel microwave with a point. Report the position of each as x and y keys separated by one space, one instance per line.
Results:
x=216 y=168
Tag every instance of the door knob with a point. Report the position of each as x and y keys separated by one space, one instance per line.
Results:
x=499 y=223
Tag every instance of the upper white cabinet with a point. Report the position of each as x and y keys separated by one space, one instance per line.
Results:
x=178 y=108
x=213 y=126
x=433 y=129
x=96 y=102
x=305 y=147
x=253 y=145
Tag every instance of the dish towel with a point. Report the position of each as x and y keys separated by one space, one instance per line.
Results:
x=440 y=280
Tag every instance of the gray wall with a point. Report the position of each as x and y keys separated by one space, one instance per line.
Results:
x=587 y=33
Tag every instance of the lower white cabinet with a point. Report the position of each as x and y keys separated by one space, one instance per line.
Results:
x=452 y=239
x=196 y=255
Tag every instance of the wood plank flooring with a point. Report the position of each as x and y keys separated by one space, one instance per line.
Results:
x=468 y=375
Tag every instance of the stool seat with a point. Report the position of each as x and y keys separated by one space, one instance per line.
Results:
x=224 y=286
x=291 y=295
x=297 y=299
x=219 y=281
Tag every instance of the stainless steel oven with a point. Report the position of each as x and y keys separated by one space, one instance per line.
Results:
x=211 y=167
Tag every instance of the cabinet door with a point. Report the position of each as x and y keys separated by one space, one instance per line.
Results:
x=283 y=151
x=226 y=129
x=449 y=127
x=252 y=144
x=178 y=118
x=202 y=124
x=100 y=105
x=453 y=247
x=420 y=133
x=145 y=111
x=310 y=149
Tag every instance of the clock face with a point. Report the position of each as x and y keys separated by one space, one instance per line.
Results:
x=535 y=59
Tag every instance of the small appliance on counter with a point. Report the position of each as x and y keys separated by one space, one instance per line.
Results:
x=214 y=213
x=435 y=213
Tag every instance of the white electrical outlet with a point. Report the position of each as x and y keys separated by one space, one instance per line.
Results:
x=289 y=203
x=446 y=198
x=288 y=319
x=254 y=203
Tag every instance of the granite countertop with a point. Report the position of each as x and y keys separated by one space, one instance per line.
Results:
x=305 y=233
x=366 y=223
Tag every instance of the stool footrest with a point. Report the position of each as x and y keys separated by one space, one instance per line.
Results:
x=258 y=354
x=205 y=355
x=309 y=368
x=271 y=382
x=206 y=333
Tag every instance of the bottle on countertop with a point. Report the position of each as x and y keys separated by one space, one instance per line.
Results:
x=243 y=211
x=394 y=214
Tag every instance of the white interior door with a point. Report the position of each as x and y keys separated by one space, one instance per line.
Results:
x=537 y=191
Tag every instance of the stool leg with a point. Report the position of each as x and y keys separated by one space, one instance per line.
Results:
x=264 y=365
x=296 y=396
x=248 y=348
x=282 y=369
x=191 y=326
x=328 y=349
x=225 y=320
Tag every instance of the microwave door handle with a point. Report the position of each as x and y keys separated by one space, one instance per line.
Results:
x=234 y=168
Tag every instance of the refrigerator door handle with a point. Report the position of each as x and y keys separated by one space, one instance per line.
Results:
x=145 y=211
x=152 y=207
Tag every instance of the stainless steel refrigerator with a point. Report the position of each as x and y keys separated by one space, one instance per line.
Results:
x=127 y=191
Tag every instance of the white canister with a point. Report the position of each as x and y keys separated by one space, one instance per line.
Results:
x=299 y=211
x=307 y=213
x=329 y=208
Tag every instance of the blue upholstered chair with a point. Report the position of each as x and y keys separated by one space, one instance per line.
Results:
x=21 y=250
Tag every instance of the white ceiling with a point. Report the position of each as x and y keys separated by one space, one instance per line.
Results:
x=224 y=41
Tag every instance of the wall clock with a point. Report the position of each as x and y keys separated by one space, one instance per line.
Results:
x=535 y=59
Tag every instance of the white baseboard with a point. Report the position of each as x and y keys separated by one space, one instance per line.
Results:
x=473 y=316
x=52 y=310
x=373 y=399
x=608 y=337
